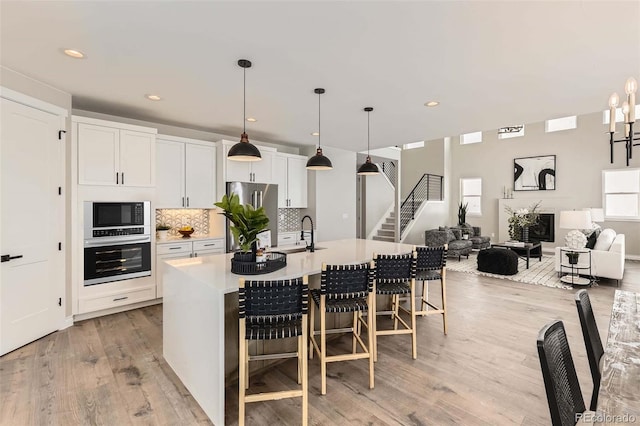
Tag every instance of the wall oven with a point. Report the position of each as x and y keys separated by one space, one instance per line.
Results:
x=117 y=241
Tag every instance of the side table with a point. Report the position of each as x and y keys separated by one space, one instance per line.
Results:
x=581 y=262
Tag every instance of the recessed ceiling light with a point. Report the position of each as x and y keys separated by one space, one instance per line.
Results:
x=153 y=97
x=315 y=134
x=74 y=53
x=252 y=120
x=432 y=103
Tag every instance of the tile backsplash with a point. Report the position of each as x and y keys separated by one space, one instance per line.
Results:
x=176 y=218
x=289 y=220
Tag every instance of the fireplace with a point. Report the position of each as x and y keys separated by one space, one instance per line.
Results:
x=544 y=230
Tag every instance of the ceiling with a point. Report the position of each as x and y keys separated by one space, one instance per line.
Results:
x=490 y=64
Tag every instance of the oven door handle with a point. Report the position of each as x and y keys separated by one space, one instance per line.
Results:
x=114 y=241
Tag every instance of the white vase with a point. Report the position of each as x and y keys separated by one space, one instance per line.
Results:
x=162 y=235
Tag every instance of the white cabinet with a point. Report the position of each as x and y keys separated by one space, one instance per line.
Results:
x=288 y=238
x=186 y=173
x=290 y=174
x=248 y=171
x=184 y=249
x=115 y=154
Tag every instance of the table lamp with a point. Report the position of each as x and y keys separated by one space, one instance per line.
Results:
x=597 y=215
x=575 y=220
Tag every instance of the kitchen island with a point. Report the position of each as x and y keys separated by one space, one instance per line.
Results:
x=194 y=311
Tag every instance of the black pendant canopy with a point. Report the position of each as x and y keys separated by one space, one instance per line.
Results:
x=244 y=150
x=368 y=168
x=319 y=161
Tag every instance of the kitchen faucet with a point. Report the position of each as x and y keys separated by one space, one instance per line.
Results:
x=310 y=247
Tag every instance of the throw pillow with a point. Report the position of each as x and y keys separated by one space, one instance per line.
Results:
x=457 y=233
x=605 y=240
x=591 y=240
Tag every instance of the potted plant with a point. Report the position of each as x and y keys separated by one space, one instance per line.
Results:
x=462 y=213
x=163 y=231
x=520 y=221
x=247 y=223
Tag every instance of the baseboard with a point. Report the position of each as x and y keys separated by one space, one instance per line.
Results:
x=109 y=311
x=632 y=257
x=68 y=322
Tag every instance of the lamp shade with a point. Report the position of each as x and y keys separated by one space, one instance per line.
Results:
x=319 y=162
x=368 y=168
x=597 y=214
x=244 y=151
x=575 y=219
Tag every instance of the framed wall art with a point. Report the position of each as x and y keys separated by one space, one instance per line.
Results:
x=534 y=173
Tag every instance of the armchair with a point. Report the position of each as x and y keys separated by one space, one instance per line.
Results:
x=457 y=247
x=479 y=242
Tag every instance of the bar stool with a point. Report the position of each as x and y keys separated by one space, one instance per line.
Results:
x=592 y=342
x=343 y=288
x=273 y=310
x=395 y=276
x=431 y=266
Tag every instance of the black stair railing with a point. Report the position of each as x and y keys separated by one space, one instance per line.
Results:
x=429 y=187
x=389 y=169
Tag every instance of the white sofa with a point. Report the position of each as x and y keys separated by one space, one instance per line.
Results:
x=604 y=263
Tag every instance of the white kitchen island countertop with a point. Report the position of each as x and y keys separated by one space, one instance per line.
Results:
x=194 y=310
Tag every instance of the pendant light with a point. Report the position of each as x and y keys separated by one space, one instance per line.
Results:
x=368 y=168
x=319 y=161
x=244 y=150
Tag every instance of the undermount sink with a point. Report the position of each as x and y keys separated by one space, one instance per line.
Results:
x=297 y=249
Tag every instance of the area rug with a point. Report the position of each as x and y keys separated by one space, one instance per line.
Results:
x=539 y=272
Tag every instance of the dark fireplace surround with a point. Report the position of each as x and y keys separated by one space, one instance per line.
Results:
x=544 y=230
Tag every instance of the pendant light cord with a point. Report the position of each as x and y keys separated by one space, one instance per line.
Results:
x=368 y=114
x=244 y=100
x=319 y=132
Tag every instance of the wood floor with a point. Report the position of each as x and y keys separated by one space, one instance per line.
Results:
x=110 y=370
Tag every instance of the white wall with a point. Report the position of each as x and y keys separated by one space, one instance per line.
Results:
x=581 y=155
x=418 y=161
x=379 y=196
x=332 y=200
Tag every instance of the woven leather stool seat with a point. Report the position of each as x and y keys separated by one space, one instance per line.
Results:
x=498 y=261
x=274 y=327
x=393 y=288
x=341 y=305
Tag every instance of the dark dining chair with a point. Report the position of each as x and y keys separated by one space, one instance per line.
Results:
x=431 y=266
x=559 y=373
x=592 y=341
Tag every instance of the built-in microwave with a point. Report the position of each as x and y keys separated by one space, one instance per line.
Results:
x=109 y=219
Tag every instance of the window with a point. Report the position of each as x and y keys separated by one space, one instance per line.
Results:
x=619 y=115
x=413 y=145
x=468 y=138
x=621 y=193
x=564 y=123
x=511 y=131
x=471 y=192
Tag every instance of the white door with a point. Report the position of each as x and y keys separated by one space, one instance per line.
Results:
x=137 y=158
x=32 y=225
x=237 y=171
x=262 y=170
x=200 y=176
x=98 y=155
x=280 y=179
x=170 y=174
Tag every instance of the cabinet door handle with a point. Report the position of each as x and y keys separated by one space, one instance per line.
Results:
x=120 y=298
x=182 y=201
x=123 y=178
x=209 y=245
x=187 y=201
x=117 y=178
x=175 y=248
x=7 y=257
x=195 y=254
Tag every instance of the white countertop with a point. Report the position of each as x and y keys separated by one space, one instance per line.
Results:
x=215 y=270
x=180 y=238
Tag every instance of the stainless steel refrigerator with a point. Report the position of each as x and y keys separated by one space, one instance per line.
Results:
x=258 y=195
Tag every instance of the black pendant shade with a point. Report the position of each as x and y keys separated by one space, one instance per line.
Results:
x=244 y=150
x=319 y=161
x=368 y=168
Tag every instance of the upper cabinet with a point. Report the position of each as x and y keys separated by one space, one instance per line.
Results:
x=186 y=173
x=290 y=174
x=115 y=154
x=247 y=171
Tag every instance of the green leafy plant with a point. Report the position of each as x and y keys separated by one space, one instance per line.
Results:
x=247 y=221
x=162 y=227
x=462 y=213
x=522 y=218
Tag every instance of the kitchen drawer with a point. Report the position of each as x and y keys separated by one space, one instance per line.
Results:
x=201 y=245
x=174 y=248
x=208 y=252
x=288 y=238
x=117 y=299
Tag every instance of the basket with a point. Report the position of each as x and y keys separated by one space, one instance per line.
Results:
x=276 y=260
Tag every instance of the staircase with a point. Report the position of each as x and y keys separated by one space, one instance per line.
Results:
x=387 y=231
x=429 y=187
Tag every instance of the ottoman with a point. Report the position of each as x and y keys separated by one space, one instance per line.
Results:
x=498 y=261
x=459 y=248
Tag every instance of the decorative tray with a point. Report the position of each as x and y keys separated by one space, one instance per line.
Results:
x=275 y=260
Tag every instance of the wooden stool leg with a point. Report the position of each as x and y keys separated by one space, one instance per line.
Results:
x=413 y=319
x=355 y=330
x=370 y=332
x=301 y=343
x=305 y=373
x=241 y=373
x=312 y=326
x=396 y=305
x=323 y=344
x=443 y=284
x=246 y=366
x=374 y=334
